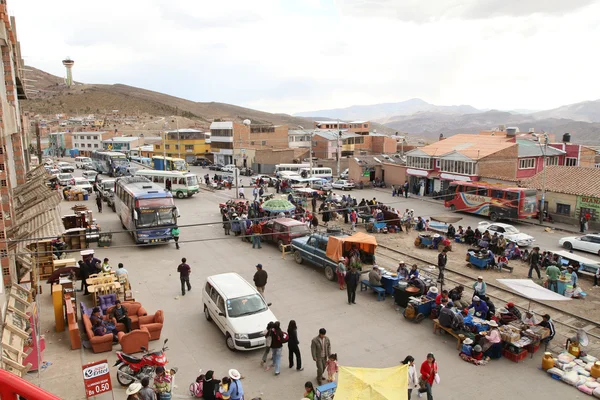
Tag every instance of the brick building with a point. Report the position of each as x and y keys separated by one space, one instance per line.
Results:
x=326 y=142
x=358 y=127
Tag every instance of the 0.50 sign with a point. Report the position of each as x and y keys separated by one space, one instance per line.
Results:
x=96 y=378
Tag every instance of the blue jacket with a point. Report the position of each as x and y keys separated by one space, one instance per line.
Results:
x=481 y=309
x=236 y=391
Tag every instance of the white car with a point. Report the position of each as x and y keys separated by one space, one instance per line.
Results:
x=81 y=161
x=228 y=168
x=65 y=167
x=64 y=179
x=237 y=308
x=344 y=174
x=589 y=243
x=82 y=184
x=90 y=176
x=343 y=184
x=322 y=185
x=508 y=231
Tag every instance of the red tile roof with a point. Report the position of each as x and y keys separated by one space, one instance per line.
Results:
x=578 y=181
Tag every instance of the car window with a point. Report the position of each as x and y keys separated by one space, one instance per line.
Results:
x=492 y=228
x=586 y=239
x=221 y=304
x=511 y=229
x=595 y=239
x=246 y=305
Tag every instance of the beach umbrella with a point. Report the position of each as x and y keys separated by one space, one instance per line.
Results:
x=278 y=205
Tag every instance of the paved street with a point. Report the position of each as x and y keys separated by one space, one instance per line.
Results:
x=369 y=334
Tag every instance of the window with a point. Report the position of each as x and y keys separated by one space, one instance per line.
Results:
x=96 y=145
x=1 y=167
x=359 y=140
x=551 y=160
x=419 y=162
x=189 y=147
x=571 y=162
x=176 y=147
x=564 y=209
x=88 y=137
x=3 y=253
x=167 y=146
x=221 y=132
x=482 y=191
x=2 y=235
x=498 y=194
x=89 y=145
x=527 y=163
x=264 y=143
x=157 y=146
x=3 y=183
x=457 y=167
x=437 y=162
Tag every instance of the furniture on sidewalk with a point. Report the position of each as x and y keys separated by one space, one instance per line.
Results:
x=364 y=285
x=106 y=301
x=133 y=341
x=437 y=327
x=99 y=344
x=134 y=312
x=153 y=323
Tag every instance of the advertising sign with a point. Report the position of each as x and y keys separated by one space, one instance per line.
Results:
x=589 y=205
x=96 y=378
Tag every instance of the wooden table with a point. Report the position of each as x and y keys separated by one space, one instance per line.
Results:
x=92 y=288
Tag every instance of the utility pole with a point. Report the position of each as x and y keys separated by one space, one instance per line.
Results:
x=38 y=142
x=543 y=200
x=310 y=157
x=339 y=153
x=164 y=150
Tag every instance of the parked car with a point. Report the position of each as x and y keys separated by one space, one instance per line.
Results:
x=216 y=167
x=283 y=230
x=239 y=311
x=89 y=166
x=510 y=232
x=269 y=180
x=109 y=197
x=90 y=176
x=65 y=167
x=64 y=179
x=344 y=174
x=246 y=171
x=106 y=188
x=54 y=171
x=589 y=243
x=343 y=184
x=322 y=185
x=199 y=161
x=81 y=161
x=228 y=168
x=82 y=184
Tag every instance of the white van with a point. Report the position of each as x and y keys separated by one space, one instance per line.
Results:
x=81 y=161
x=237 y=308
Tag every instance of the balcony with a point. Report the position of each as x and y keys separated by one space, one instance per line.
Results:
x=221 y=139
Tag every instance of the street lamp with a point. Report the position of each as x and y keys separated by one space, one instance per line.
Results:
x=543 y=200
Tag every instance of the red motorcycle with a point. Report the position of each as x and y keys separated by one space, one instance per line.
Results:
x=134 y=368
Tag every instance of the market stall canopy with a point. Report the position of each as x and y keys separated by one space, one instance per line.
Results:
x=337 y=245
x=446 y=219
x=532 y=290
x=278 y=205
x=373 y=383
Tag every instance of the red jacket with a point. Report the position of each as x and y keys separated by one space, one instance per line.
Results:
x=428 y=371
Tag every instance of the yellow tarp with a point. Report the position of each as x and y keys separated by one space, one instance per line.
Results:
x=337 y=246
x=372 y=383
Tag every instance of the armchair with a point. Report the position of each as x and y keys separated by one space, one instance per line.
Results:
x=134 y=312
x=133 y=341
x=153 y=323
x=106 y=300
x=99 y=343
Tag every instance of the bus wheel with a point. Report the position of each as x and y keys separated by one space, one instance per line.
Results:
x=494 y=217
x=180 y=195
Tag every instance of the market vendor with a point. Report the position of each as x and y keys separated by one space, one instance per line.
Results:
x=375 y=276
x=529 y=318
x=513 y=314
x=480 y=307
x=572 y=275
x=414 y=272
x=418 y=283
x=402 y=271
x=491 y=341
x=443 y=295
x=548 y=323
x=446 y=315
x=456 y=296
x=420 y=224
x=467 y=346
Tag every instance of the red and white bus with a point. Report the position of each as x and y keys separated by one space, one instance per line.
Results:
x=493 y=200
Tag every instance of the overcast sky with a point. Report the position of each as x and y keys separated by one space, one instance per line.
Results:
x=301 y=55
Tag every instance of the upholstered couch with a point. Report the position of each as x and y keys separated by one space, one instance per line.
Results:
x=153 y=323
x=133 y=341
x=99 y=343
x=134 y=312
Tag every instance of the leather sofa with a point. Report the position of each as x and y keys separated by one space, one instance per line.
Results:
x=99 y=344
x=133 y=341
x=153 y=323
x=134 y=312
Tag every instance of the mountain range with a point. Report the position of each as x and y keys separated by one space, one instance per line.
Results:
x=420 y=118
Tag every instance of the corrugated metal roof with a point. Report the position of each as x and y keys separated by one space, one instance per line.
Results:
x=221 y=125
x=528 y=148
x=121 y=139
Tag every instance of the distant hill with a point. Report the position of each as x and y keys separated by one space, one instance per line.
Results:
x=382 y=112
x=586 y=111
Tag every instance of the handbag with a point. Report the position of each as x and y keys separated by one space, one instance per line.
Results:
x=437 y=378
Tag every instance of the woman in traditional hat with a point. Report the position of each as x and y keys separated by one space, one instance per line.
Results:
x=235 y=391
x=133 y=390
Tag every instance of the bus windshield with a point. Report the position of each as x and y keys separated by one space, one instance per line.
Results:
x=156 y=217
x=165 y=202
x=180 y=165
x=192 y=180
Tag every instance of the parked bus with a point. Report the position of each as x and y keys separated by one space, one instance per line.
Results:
x=181 y=184
x=145 y=209
x=495 y=201
x=110 y=163
x=173 y=164
x=290 y=167
x=318 y=172
x=145 y=161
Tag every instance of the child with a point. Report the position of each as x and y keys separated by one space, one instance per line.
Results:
x=332 y=367
x=309 y=391
x=477 y=353
x=467 y=349
x=224 y=388
x=196 y=387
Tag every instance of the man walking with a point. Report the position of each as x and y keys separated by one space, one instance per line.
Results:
x=260 y=279
x=256 y=234
x=352 y=279
x=320 y=348
x=184 y=275
x=313 y=202
x=534 y=260
x=99 y=202
x=405 y=189
x=175 y=233
x=442 y=260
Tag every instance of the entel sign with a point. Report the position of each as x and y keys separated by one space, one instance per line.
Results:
x=96 y=378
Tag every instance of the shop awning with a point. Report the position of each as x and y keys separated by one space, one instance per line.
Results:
x=446 y=219
x=372 y=383
x=532 y=290
x=336 y=245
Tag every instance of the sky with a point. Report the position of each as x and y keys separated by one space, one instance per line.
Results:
x=302 y=55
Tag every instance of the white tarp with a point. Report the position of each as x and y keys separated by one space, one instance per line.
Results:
x=532 y=290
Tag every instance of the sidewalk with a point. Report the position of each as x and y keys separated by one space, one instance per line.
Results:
x=552 y=225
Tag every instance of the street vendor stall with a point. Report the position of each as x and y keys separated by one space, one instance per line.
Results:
x=373 y=383
x=338 y=246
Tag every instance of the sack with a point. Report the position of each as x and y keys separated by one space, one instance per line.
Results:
x=196 y=390
x=437 y=378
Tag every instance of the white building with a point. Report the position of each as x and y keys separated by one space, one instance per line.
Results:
x=86 y=142
x=221 y=138
x=299 y=139
x=121 y=143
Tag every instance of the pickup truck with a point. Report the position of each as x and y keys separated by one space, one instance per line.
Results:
x=312 y=248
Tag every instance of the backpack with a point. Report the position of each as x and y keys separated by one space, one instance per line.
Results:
x=284 y=337
x=196 y=390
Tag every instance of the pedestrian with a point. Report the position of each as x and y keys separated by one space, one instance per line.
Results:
x=184 y=275
x=255 y=193
x=332 y=367
x=256 y=234
x=260 y=279
x=442 y=260
x=582 y=223
x=277 y=339
x=99 y=202
x=341 y=272
x=429 y=371
x=353 y=219
x=479 y=287
x=235 y=391
x=534 y=260
x=121 y=271
x=313 y=202
x=226 y=224
x=406 y=189
x=175 y=233
x=596 y=277
x=267 y=334
x=352 y=279
x=314 y=222
x=293 y=346
x=393 y=191
x=320 y=348
x=84 y=274
x=413 y=379
x=553 y=273
x=146 y=392
x=133 y=391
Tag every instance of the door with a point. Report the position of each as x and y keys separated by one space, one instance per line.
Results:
x=585 y=243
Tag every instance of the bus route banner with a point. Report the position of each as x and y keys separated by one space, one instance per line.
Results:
x=96 y=378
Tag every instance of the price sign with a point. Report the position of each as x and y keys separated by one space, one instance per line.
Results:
x=96 y=378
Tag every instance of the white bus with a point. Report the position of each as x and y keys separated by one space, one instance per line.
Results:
x=290 y=167
x=317 y=172
x=181 y=184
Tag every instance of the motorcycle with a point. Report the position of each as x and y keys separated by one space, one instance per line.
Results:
x=134 y=368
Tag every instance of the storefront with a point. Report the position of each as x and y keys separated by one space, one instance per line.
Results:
x=420 y=181
x=588 y=205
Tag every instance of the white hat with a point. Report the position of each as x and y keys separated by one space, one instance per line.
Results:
x=133 y=388
x=234 y=374
x=493 y=323
x=468 y=341
x=436 y=235
x=401 y=262
x=342 y=259
x=433 y=289
x=476 y=298
x=480 y=277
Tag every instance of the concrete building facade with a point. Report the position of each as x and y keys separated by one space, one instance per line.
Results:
x=185 y=143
